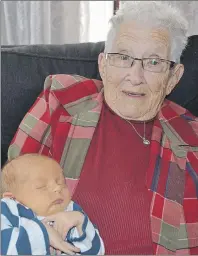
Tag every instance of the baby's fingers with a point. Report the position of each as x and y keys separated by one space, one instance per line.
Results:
x=49 y=218
x=54 y=251
x=61 y=230
x=58 y=252
x=68 y=248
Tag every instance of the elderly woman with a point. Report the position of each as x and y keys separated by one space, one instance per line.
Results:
x=129 y=155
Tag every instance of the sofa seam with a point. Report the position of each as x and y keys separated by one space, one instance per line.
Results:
x=48 y=57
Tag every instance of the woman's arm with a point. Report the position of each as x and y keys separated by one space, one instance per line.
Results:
x=188 y=232
x=34 y=134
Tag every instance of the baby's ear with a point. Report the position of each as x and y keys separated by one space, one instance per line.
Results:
x=8 y=194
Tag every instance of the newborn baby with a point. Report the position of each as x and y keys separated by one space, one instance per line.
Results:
x=37 y=213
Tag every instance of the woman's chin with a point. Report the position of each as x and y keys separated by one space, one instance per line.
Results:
x=130 y=115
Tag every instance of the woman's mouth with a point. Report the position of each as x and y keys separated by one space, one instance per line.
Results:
x=133 y=94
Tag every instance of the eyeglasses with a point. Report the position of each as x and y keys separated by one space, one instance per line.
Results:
x=156 y=65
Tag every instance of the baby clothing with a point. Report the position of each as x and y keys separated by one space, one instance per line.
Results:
x=23 y=233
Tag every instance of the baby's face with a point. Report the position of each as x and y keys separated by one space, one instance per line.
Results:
x=44 y=190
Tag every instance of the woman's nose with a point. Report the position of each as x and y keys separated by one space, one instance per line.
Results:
x=136 y=73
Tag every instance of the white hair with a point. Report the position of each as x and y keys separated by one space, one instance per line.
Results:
x=156 y=14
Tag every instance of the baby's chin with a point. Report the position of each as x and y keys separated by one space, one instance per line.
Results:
x=52 y=209
x=56 y=208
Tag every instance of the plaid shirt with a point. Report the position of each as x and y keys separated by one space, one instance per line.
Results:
x=61 y=124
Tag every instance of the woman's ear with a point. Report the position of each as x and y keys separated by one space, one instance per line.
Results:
x=101 y=64
x=8 y=194
x=176 y=75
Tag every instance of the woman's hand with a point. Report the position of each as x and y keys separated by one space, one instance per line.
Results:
x=64 y=221
x=58 y=243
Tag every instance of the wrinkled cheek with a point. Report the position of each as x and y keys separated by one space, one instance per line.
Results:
x=156 y=98
x=158 y=84
x=111 y=85
x=112 y=94
x=156 y=90
x=155 y=101
x=110 y=91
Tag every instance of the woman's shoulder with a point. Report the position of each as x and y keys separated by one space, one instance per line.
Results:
x=72 y=92
x=180 y=122
x=171 y=110
x=77 y=85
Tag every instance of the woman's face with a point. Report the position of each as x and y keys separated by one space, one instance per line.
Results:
x=132 y=92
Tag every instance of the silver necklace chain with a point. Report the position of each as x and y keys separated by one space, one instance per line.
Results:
x=144 y=140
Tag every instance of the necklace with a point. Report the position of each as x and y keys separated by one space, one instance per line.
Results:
x=144 y=140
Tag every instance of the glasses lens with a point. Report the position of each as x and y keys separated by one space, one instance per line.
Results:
x=119 y=60
x=150 y=64
x=155 y=65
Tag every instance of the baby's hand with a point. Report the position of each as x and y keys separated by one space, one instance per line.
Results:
x=58 y=243
x=64 y=221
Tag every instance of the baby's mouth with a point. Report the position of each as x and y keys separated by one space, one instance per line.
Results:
x=58 y=201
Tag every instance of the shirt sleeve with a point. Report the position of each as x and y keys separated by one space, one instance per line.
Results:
x=21 y=235
x=90 y=242
x=188 y=232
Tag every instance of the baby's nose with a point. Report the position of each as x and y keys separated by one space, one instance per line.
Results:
x=57 y=188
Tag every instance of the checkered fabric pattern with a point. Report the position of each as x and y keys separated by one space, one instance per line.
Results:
x=61 y=124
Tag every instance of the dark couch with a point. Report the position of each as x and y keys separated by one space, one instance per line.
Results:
x=24 y=69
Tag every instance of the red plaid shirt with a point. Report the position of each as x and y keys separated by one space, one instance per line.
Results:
x=61 y=124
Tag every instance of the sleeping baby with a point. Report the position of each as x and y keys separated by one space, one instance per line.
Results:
x=37 y=214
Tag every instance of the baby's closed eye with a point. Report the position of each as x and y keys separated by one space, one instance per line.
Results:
x=61 y=182
x=41 y=187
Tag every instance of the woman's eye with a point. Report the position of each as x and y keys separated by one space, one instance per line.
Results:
x=154 y=62
x=123 y=57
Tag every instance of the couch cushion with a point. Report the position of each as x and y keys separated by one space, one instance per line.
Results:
x=186 y=92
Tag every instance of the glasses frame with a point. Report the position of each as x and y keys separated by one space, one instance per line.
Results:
x=172 y=63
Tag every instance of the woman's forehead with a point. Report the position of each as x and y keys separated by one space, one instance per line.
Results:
x=140 y=31
x=134 y=37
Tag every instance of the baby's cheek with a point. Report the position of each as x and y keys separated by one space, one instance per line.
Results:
x=67 y=193
x=39 y=206
x=66 y=196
